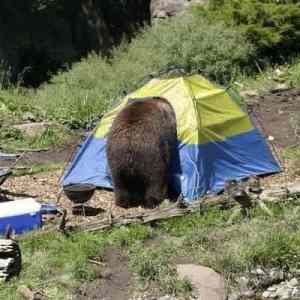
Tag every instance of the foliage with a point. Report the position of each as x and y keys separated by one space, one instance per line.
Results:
x=126 y=236
x=152 y=264
x=205 y=238
x=80 y=96
x=294 y=73
x=272 y=26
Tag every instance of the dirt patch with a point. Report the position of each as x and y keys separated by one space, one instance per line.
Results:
x=115 y=282
x=273 y=113
x=45 y=187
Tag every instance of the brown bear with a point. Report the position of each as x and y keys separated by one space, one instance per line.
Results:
x=140 y=146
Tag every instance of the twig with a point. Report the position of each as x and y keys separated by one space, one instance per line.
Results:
x=33 y=150
x=63 y=222
x=96 y=262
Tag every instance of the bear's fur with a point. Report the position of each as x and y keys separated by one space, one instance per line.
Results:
x=140 y=147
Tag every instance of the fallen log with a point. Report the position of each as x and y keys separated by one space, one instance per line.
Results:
x=274 y=194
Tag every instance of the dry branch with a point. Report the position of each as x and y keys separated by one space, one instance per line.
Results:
x=274 y=194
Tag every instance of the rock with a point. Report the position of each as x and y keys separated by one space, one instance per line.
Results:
x=259 y=271
x=267 y=294
x=32 y=129
x=279 y=88
x=168 y=8
x=293 y=283
x=209 y=284
x=28 y=116
x=294 y=188
x=243 y=284
x=248 y=294
x=234 y=296
x=296 y=293
x=272 y=289
x=167 y=297
x=284 y=293
x=249 y=93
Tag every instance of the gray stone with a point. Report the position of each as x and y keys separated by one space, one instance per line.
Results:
x=249 y=93
x=32 y=129
x=260 y=271
x=168 y=8
x=267 y=294
x=284 y=292
x=293 y=283
x=272 y=289
x=28 y=116
x=243 y=282
x=294 y=188
x=234 y=296
x=248 y=294
x=209 y=284
x=167 y=297
x=296 y=292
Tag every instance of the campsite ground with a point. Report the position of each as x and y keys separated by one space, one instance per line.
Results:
x=134 y=260
x=249 y=44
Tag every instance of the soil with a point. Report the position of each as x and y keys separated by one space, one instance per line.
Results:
x=271 y=112
x=114 y=282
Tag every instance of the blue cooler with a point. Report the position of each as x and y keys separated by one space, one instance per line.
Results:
x=20 y=215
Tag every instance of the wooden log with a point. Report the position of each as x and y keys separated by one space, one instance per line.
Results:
x=273 y=194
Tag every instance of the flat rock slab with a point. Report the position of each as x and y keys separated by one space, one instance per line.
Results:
x=33 y=129
x=209 y=284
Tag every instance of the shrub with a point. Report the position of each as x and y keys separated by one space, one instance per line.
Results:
x=81 y=95
x=272 y=26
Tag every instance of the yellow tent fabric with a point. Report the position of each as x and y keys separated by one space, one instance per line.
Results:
x=204 y=112
x=216 y=139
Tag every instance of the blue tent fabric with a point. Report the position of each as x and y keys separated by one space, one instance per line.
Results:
x=217 y=141
x=203 y=168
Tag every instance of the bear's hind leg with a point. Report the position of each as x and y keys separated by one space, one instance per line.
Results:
x=122 y=197
x=155 y=194
x=129 y=191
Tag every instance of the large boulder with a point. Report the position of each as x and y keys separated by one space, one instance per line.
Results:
x=169 y=8
x=208 y=284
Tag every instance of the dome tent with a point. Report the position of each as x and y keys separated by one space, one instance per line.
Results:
x=216 y=139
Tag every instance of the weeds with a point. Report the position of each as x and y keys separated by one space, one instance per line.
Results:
x=152 y=265
x=77 y=97
x=206 y=238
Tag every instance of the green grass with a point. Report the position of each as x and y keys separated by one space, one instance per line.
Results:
x=152 y=265
x=75 y=98
x=57 y=264
x=12 y=139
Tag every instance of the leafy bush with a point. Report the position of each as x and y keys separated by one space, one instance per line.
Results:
x=272 y=26
x=81 y=95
